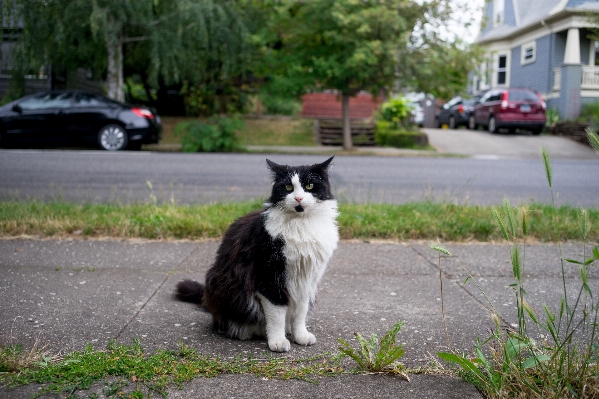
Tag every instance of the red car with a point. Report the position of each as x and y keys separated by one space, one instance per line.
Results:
x=509 y=109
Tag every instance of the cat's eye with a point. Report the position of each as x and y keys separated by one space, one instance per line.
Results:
x=309 y=186
x=289 y=187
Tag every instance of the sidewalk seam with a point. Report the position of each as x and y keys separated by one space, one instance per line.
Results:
x=166 y=277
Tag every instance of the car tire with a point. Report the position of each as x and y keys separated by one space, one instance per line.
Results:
x=472 y=123
x=452 y=123
x=492 y=126
x=437 y=123
x=113 y=138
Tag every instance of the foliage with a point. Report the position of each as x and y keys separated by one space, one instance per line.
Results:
x=564 y=362
x=420 y=220
x=396 y=111
x=372 y=355
x=279 y=105
x=206 y=100
x=166 y=42
x=217 y=135
x=385 y=135
x=590 y=111
x=128 y=369
x=552 y=115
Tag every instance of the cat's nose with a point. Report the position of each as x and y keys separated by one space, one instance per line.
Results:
x=299 y=199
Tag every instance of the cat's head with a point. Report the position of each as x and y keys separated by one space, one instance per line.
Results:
x=299 y=188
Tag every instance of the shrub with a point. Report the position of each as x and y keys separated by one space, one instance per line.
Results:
x=385 y=135
x=217 y=135
x=278 y=105
x=590 y=111
x=397 y=112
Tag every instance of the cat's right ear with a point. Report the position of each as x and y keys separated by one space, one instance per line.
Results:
x=276 y=169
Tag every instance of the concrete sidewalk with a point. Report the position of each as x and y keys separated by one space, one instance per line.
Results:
x=73 y=292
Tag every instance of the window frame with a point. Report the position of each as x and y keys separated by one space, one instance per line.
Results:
x=523 y=49
x=504 y=70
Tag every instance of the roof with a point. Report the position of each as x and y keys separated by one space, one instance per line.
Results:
x=528 y=13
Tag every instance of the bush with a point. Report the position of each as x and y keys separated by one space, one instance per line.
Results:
x=385 y=135
x=278 y=105
x=397 y=112
x=217 y=135
x=590 y=111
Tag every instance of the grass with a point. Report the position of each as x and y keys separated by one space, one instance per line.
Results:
x=276 y=131
x=134 y=373
x=422 y=220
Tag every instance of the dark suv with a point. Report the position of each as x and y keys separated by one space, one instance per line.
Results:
x=511 y=109
x=455 y=112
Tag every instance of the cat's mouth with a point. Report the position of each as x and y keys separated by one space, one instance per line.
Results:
x=299 y=208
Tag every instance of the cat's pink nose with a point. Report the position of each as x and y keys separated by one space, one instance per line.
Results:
x=299 y=199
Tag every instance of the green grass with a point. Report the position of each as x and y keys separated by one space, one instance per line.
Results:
x=276 y=131
x=136 y=374
x=422 y=220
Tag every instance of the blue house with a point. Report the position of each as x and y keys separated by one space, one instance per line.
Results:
x=544 y=45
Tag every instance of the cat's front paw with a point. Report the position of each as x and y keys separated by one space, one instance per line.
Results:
x=279 y=344
x=304 y=338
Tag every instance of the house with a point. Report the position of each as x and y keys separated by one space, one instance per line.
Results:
x=544 y=45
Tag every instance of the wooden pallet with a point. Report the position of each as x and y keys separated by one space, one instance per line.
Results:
x=330 y=131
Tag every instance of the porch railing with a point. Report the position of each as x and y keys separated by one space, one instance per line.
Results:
x=590 y=78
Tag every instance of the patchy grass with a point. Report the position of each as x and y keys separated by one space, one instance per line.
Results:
x=275 y=131
x=422 y=220
x=132 y=373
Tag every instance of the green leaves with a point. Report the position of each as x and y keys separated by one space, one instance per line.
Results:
x=216 y=135
x=372 y=355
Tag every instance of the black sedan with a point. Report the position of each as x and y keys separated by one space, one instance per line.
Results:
x=455 y=112
x=75 y=118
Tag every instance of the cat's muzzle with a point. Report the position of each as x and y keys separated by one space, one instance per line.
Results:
x=299 y=208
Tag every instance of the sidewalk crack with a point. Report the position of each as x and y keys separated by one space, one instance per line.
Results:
x=164 y=280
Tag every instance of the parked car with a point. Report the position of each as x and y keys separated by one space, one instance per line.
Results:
x=417 y=113
x=75 y=118
x=455 y=112
x=509 y=108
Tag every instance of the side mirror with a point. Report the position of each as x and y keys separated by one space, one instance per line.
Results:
x=17 y=108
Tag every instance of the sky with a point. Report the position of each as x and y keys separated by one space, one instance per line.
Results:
x=473 y=14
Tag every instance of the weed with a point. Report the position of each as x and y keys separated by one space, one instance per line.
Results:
x=125 y=365
x=512 y=363
x=376 y=356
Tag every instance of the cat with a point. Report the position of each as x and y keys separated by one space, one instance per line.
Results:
x=264 y=279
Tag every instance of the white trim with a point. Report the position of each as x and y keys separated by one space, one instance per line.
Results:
x=523 y=49
x=592 y=53
x=498 y=17
x=589 y=93
x=559 y=7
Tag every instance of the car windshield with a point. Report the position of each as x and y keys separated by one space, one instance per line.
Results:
x=522 y=95
x=47 y=100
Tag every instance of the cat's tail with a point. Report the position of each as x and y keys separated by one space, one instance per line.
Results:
x=190 y=291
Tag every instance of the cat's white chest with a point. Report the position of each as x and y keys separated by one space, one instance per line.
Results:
x=310 y=241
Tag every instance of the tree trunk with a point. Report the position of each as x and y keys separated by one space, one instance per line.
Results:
x=114 y=79
x=347 y=141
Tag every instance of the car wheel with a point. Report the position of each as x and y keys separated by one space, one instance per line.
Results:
x=472 y=123
x=437 y=123
x=492 y=126
x=112 y=138
x=452 y=124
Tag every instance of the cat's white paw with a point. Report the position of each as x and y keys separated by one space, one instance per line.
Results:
x=281 y=344
x=304 y=338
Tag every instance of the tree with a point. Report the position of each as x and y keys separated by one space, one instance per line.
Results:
x=347 y=45
x=182 y=39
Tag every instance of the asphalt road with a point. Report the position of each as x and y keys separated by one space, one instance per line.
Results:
x=96 y=176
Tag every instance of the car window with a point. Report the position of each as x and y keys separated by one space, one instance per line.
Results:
x=485 y=98
x=522 y=95
x=47 y=100
x=88 y=100
x=469 y=102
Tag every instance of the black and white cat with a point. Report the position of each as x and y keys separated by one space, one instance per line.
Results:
x=269 y=263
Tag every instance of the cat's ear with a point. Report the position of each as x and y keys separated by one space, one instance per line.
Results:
x=322 y=166
x=276 y=169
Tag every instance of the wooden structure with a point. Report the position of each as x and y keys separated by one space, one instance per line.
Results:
x=325 y=108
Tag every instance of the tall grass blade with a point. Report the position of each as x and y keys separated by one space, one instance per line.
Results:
x=516 y=266
x=509 y=212
x=500 y=223
x=593 y=139
x=547 y=164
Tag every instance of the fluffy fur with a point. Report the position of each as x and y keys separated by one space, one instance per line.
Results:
x=267 y=268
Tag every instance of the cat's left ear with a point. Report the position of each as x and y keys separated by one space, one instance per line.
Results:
x=322 y=166
x=276 y=169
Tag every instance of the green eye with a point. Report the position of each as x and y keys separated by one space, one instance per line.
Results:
x=309 y=186
x=288 y=187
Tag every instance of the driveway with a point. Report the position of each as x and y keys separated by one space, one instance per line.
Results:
x=482 y=144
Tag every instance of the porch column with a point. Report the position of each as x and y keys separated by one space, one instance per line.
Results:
x=569 y=101
x=572 y=55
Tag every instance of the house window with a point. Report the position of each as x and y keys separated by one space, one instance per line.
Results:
x=498 y=11
x=528 y=53
x=501 y=70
